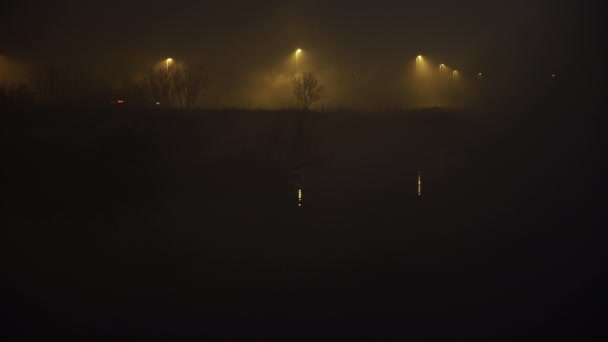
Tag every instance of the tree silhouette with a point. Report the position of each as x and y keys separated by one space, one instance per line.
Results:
x=53 y=85
x=307 y=90
x=178 y=87
x=157 y=85
x=188 y=83
x=59 y=85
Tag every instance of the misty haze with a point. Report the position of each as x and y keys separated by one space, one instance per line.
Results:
x=382 y=170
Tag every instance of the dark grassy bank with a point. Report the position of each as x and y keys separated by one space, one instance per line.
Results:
x=136 y=222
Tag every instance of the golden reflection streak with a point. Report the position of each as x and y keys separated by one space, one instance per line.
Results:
x=299 y=197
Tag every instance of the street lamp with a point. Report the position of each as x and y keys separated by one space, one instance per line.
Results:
x=169 y=60
x=419 y=63
x=298 y=51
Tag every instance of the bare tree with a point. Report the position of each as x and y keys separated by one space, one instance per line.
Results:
x=188 y=83
x=157 y=85
x=177 y=87
x=307 y=90
x=59 y=85
x=52 y=85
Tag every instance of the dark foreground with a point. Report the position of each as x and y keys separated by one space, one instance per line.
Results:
x=150 y=223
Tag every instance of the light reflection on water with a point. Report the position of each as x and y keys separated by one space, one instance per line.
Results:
x=299 y=197
x=296 y=182
x=300 y=192
x=419 y=184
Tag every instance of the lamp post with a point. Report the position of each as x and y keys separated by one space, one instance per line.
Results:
x=298 y=51
x=418 y=63
x=169 y=60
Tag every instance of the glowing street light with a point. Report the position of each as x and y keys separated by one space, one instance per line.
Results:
x=441 y=67
x=418 y=63
x=298 y=51
x=169 y=60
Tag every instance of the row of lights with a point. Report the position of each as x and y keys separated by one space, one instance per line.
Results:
x=442 y=67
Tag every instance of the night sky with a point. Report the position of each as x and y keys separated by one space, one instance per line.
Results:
x=243 y=43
